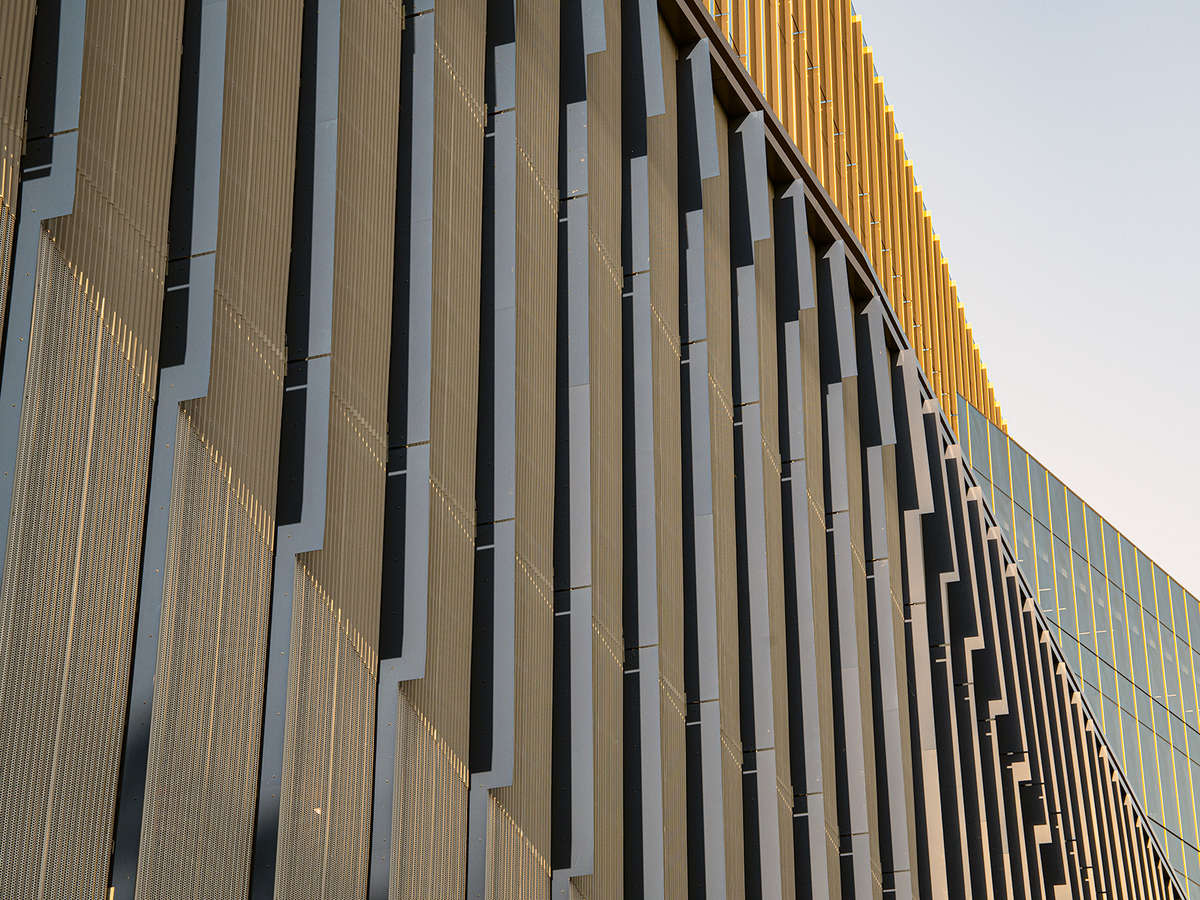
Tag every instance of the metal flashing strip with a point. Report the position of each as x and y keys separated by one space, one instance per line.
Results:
x=404 y=611
x=750 y=218
x=496 y=475
x=582 y=21
x=204 y=36
x=307 y=409
x=46 y=190
x=699 y=161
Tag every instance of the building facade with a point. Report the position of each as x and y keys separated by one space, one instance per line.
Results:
x=462 y=449
x=1129 y=632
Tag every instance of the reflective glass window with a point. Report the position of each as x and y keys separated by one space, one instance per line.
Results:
x=1019 y=463
x=1178 y=609
x=1133 y=759
x=1112 y=553
x=1058 y=506
x=1062 y=579
x=1083 y=601
x=1153 y=657
x=1075 y=518
x=1193 y=612
x=1101 y=618
x=1002 y=507
x=1126 y=694
x=1167 y=780
x=1166 y=643
x=1162 y=595
x=1045 y=570
x=1150 y=773
x=1095 y=539
x=1187 y=803
x=1120 y=630
x=1108 y=680
x=1024 y=543
x=1037 y=487
x=1129 y=567
x=963 y=419
x=1089 y=667
x=999 y=444
x=979 y=442
x=1137 y=643
x=1196 y=677
x=1092 y=695
x=1187 y=686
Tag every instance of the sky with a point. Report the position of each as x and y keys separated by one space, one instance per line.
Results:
x=1058 y=146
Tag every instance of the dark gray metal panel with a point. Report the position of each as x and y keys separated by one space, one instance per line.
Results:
x=176 y=384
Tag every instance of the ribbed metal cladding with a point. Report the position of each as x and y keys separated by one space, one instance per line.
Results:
x=892 y=714
x=430 y=809
x=69 y=581
x=203 y=746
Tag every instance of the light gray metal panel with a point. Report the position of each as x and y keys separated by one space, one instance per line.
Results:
x=770 y=858
x=583 y=806
x=651 y=57
x=880 y=371
x=324 y=187
x=713 y=798
x=595 y=39
x=638 y=211
x=644 y=475
x=751 y=488
x=699 y=63
x=837 y=311
x=420 y=298
x=653 y=867
x=754 y=158
x=695 y=322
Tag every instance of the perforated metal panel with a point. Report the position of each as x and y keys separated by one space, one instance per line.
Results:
x=516 y=869
x=204 y=743
x=324 y=810
x=430 y=818
x=69 y=584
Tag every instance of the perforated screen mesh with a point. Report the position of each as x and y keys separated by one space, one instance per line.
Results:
x=203 y=759
x=67 y=601
x=515 y=867
x=430 y=811
x=325 y=807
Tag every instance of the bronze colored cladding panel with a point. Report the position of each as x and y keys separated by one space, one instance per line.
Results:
x=76 y=528
x=222 y=531
x=527 y=802
x=325 y=796
x=604 y=333
x=203 y=759
x=16 y=35
x=443 y=695
x=720 y=368
x=69 y=583
x=662 y=151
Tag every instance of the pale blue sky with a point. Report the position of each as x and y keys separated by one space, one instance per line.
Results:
x=1058 y=145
